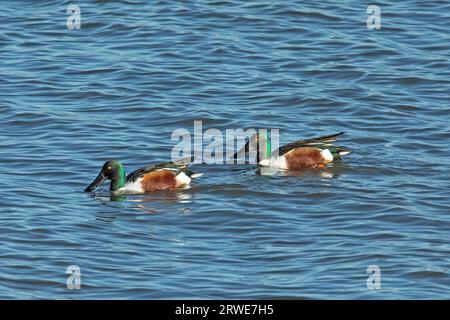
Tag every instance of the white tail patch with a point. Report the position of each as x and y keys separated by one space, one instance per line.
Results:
x=327 y=156
x=196 y=175
x=182 y=179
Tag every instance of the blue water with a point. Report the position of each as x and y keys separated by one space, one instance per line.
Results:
x=137 y=70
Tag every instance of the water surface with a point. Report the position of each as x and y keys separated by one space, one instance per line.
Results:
x=137 y=70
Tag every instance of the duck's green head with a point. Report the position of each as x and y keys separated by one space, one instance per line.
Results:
x=264 y=146
x=112 y=170
x=260 y=144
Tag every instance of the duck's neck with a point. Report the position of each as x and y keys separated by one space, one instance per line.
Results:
x=118 y=181
x=268 y=148
x=264 y=148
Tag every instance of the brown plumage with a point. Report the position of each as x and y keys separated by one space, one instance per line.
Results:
x=304 y=157
x=158 y=180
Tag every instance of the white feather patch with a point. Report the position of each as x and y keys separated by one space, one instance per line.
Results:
x=326 y=154
x=132 y=187
x=278 y=162
x=182 y=179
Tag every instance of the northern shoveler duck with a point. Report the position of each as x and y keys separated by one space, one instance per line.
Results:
x=301 y=154
x=158 y=177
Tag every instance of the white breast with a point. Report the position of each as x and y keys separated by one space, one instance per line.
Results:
x=132 y=187
x=277 y=162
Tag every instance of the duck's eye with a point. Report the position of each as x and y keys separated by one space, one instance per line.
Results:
x=109 y=168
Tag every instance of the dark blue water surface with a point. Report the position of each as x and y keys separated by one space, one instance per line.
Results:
x=137 y=70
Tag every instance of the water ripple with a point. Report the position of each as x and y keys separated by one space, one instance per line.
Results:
x=136 y=71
